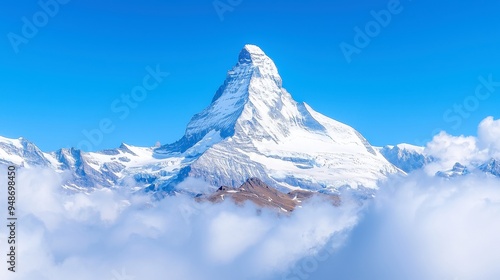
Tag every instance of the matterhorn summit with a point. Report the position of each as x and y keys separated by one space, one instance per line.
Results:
x=243 y=104
x=253 y=128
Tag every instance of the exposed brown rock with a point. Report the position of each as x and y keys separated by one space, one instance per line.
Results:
x=258 y=192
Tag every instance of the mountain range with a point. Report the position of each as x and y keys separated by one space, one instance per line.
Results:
x=253 y=128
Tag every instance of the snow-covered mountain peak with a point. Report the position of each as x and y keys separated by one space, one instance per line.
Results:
x=254 y=128
x=267 y=110
x=251 y=100
x=251 y=54
x=457 y=171
x=253 y=50
x=262 y=66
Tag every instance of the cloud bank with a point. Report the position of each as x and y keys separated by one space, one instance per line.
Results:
x=108 y=235
x=417 y=227
x=424 y=228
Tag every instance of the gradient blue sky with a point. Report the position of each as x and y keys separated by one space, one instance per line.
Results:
x=397 y=89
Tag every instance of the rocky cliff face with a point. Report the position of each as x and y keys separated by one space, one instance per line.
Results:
x=256 y=191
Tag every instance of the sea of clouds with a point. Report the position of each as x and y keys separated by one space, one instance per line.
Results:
x=417 y=227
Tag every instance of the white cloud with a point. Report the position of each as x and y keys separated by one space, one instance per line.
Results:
x=489 y=136
x=231 y=235
x=425 y=227
x=93 y=236
x=448 y=149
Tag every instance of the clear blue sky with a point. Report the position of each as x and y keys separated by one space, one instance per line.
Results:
x=397 y=89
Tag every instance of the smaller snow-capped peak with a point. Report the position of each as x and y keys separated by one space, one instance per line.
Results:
x=406 y=157
x=411 y=148
x=404 y=147
x=492 y=167
x=457 y=170
x=21 y=152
